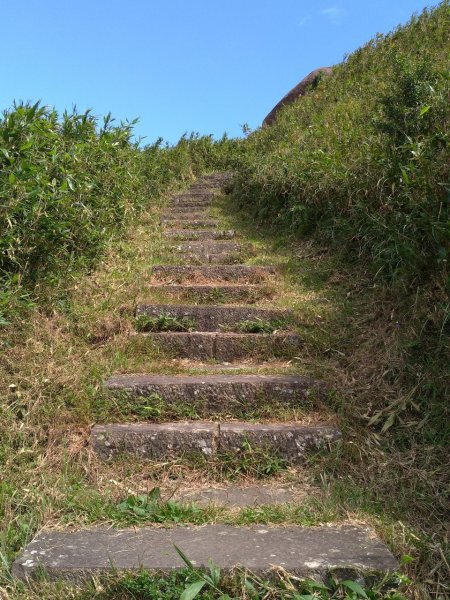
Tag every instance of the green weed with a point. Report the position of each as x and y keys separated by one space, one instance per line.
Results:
x=149 y=508
x=163 y=322
x=261 y=326
x=258 y=462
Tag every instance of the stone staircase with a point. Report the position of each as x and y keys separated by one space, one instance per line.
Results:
x=212 y=325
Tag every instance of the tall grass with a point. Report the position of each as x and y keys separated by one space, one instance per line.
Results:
x=361 y=166
x=363 y=161
x=70 y=183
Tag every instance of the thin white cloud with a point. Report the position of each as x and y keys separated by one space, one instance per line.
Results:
x=304 y=20
x=333 y=13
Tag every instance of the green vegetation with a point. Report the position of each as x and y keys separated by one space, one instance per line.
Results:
x=257 y=462
x=261 y=326
x=163 y=322
x=69 y=185
x=350 y=191
x=363 y=159
x=148 y=508
x=354 y=179
x=190 y=583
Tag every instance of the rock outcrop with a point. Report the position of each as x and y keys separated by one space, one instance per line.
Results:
x=301 y=89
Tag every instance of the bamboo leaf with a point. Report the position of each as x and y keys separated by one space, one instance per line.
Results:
x=192 y=590
x=354 y=587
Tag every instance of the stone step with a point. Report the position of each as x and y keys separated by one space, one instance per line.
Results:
x=214 y=293
x=216 y=394
x=224 y=346
x=201 y=188
x=181 y=209
x=196 y=274
x=199 y=196
x=194 y=204
x=196 y=193
x=346 y=551
x=200 y=234
x=218 y=179
x=217 y=317
x=160 y=441
x=214 y=258
x=214 y=251
x=190 y=223
x=180 y=217
x=213 y=247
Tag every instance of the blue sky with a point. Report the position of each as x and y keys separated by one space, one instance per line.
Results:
x=179 y=65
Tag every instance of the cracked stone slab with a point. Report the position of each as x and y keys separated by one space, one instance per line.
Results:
x=157 y=441
x=190 y=215
x=224 y=293
x=220 y=258
x=225 y=346
x=200 y=234
x=190 y=223
x=232 y=273
x=304 y=552
x=181 y=209
x=194 y=195
x=191 y=200
x=289 y=440
x=216 y=393
x=213 y=318
x=212 y=247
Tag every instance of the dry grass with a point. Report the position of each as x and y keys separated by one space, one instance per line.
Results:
x=54 y=363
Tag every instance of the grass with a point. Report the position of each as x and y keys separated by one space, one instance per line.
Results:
x=362 y=160
x=210 y=585
x=392 y=476
x=46 y=462
x=261 y=326
x=163 y=322
x=350 y=204
x=48 y=412
x=256 y=462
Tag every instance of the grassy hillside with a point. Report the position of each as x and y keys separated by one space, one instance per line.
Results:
x=359 y=172
x=363 y=159
x=348 y=193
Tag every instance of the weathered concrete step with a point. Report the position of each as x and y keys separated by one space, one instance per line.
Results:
x=213 y=252
x=307 y=552
x=213 y=247
x=225 y=346
x=221 y=393
x=190 y=223
x=195 y=193
x=200 y=234
x=159 y=441
x=178 y=218
x=197 y=274
x=181 y=209
x=200 y=189
x=194 y=204
x=217 y=317
x=214 y=293
x=200 y=198
x=215 y=258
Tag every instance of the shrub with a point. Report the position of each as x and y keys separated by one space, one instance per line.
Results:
x=70 y=184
